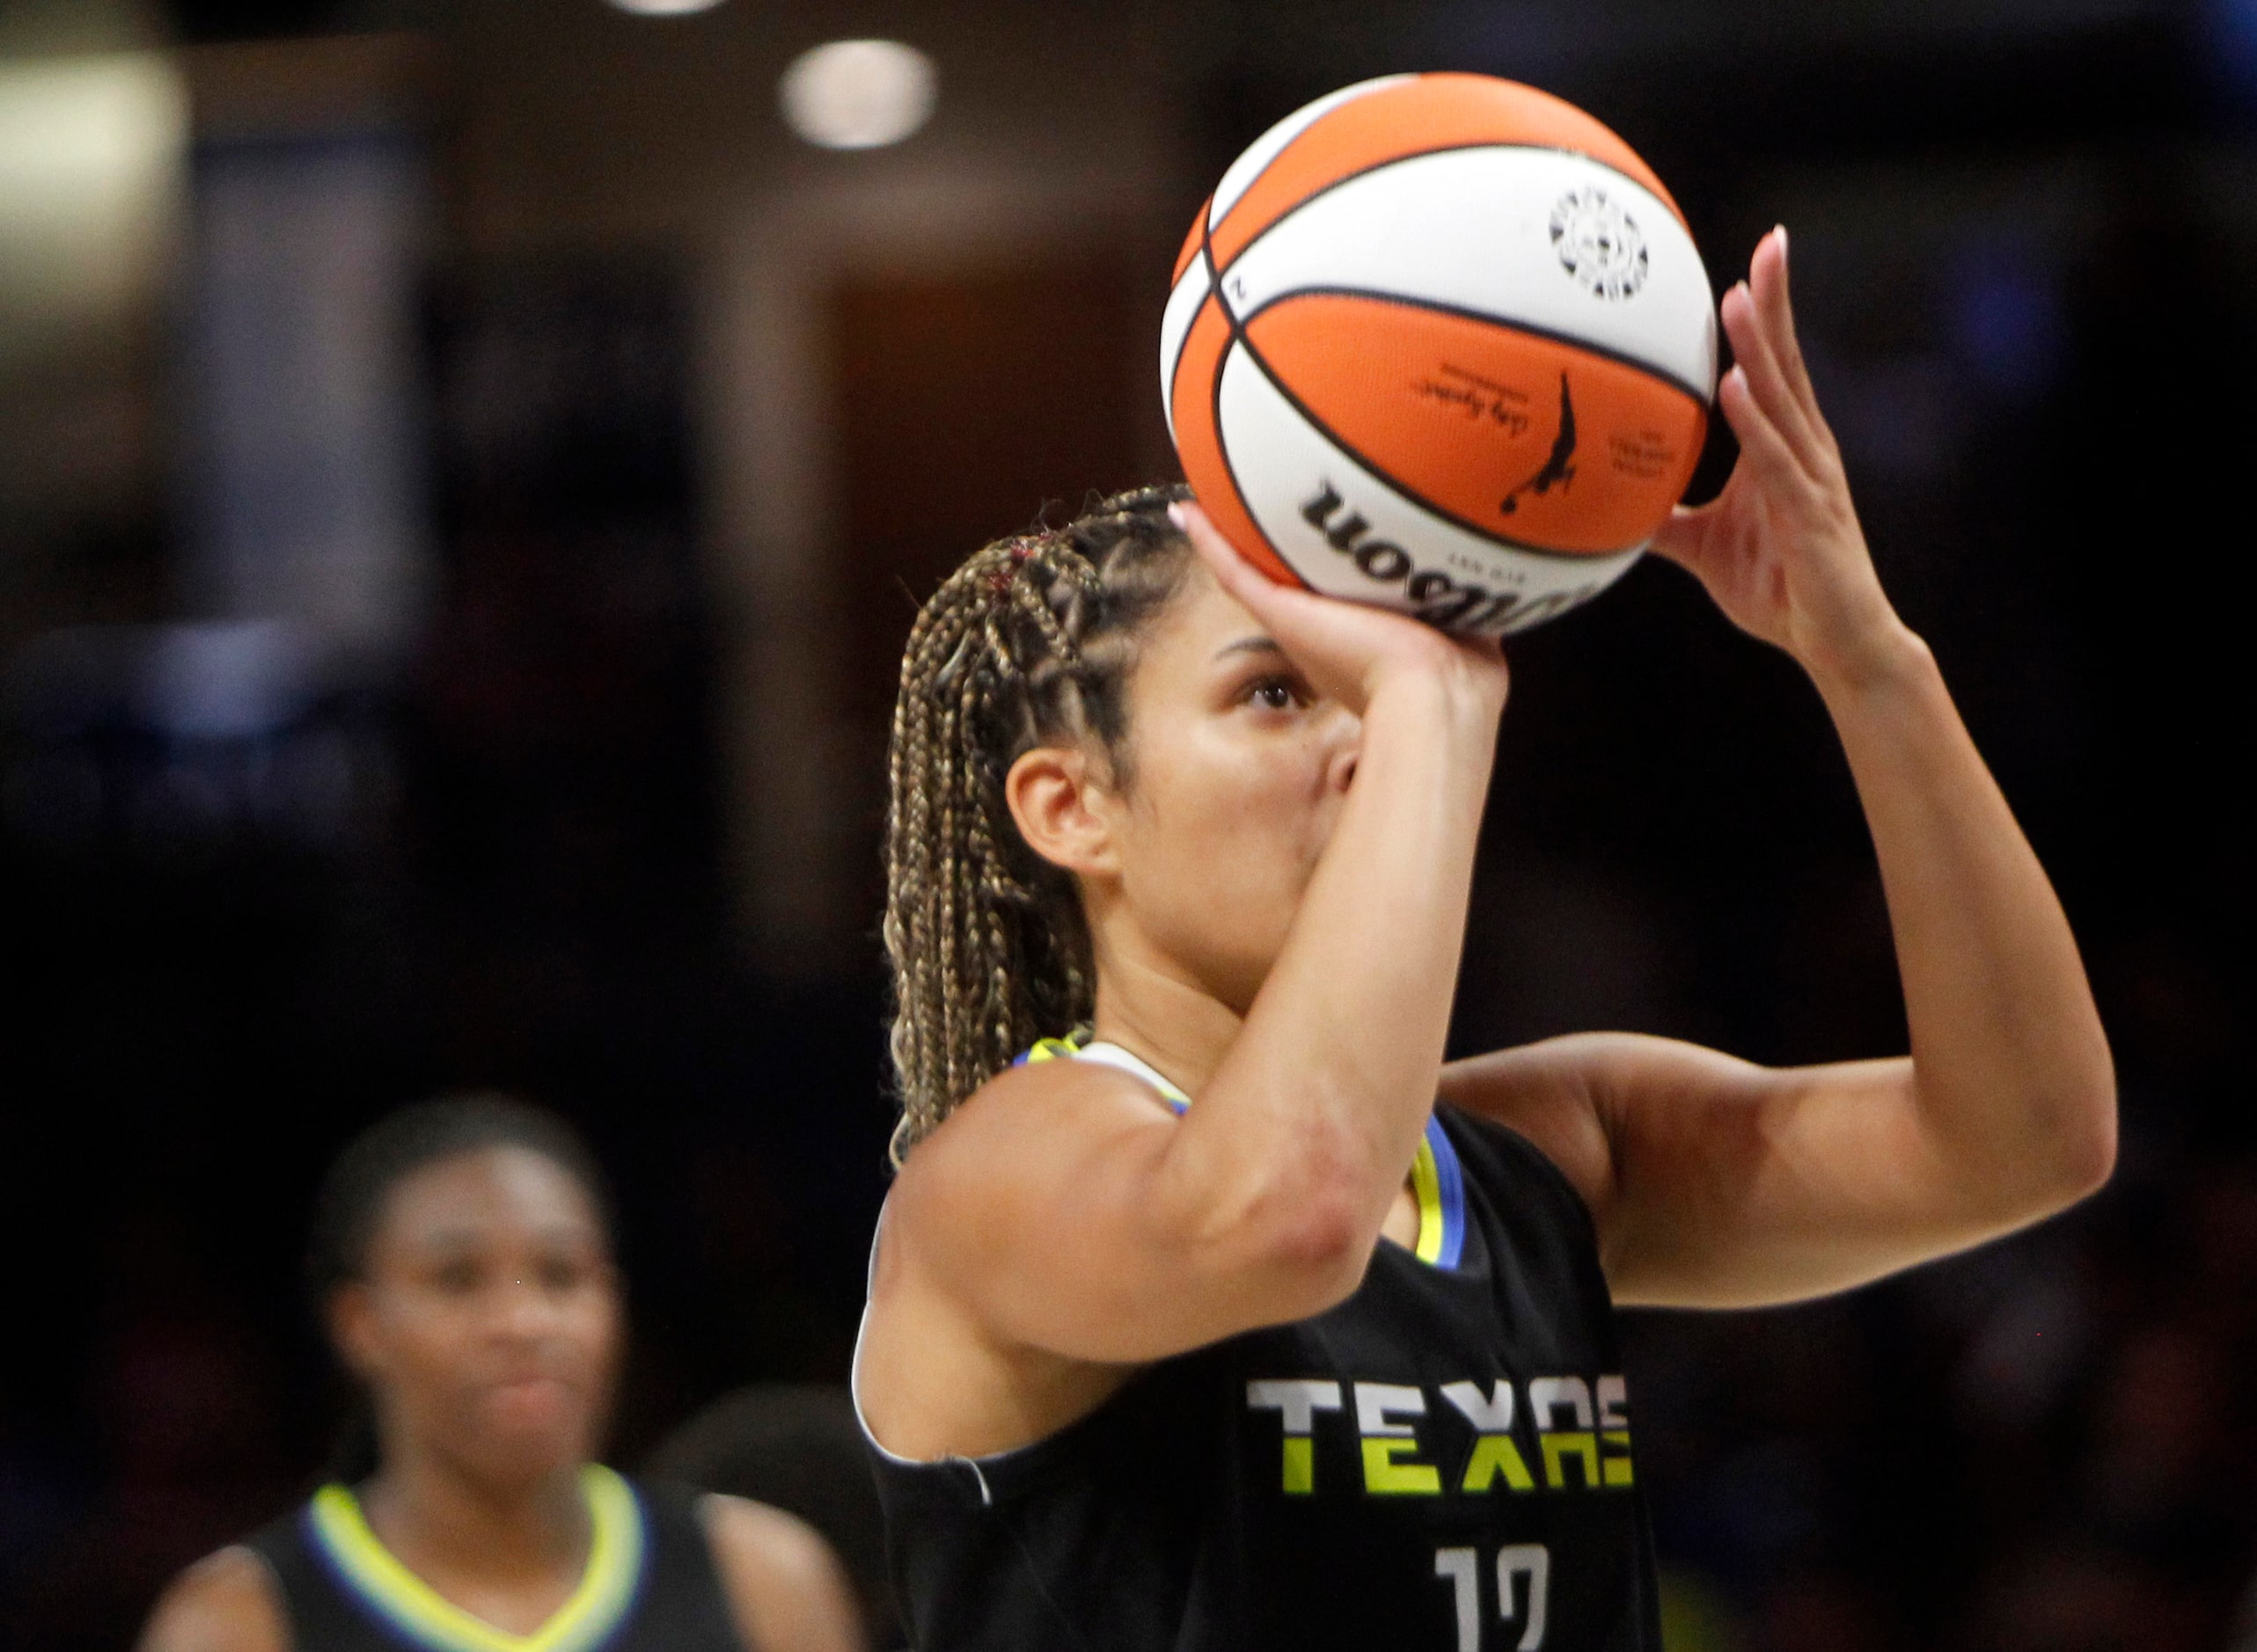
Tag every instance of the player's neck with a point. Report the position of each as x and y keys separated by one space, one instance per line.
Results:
x=1152 y=1010
x=437 y=1518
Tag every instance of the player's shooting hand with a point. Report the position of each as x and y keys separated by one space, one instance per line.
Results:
x=1780 y=548
x=1347 y=650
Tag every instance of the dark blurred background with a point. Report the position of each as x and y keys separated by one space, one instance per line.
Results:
x=465 y=471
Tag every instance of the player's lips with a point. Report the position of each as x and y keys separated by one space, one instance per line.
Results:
x=533 y=1401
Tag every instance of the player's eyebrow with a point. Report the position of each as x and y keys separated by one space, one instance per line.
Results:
x=1248 y=645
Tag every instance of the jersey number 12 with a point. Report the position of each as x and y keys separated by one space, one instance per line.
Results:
x=1515 y=1561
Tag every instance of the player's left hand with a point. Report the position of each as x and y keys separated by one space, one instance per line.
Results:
x=1780 y=548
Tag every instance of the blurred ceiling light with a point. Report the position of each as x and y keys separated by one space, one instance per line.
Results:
x=91 y=169
x=665 y=8
x=858 y=94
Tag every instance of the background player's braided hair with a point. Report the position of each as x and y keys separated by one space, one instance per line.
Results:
x=1030 y=640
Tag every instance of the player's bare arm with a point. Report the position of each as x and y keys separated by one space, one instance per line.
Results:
x=1716 y=1182
x=225 y=1602
x=784 y=1583
x=1062 y=1216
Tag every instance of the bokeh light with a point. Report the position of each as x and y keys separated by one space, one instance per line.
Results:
x=858 y=94
x=665 y=8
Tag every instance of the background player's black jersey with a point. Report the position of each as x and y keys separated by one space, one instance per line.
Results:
x=1442 y=1462
x=650 y=1584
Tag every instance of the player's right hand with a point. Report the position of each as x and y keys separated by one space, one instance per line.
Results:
x=1350 y=651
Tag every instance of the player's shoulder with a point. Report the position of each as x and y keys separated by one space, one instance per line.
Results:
x=1034 y=1113
x=1546 y=1093
x=226 y=1601
x=1577 y=1098
x=783 y=1580
x=749 y=1536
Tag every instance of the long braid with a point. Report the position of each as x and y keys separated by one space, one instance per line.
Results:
x=1031 y=639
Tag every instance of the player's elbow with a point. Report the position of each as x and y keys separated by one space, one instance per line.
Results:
x=1321 y=1256
x=1309 y=1228
x=2043 y=1147
x=2085 y=1147
x=2070 y=1151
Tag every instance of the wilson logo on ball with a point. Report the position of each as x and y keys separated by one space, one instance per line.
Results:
x=1457 y=328
x=1435 y=597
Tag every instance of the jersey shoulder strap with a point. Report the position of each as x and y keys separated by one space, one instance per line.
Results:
x=684 y=1605
x=317 y=1610
x=1436 y=1180
x=1079 y=1045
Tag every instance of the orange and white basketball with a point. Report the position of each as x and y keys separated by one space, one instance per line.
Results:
x=1444 y=343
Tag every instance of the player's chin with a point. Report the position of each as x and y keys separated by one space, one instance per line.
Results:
x=530 y=1421
x=533 y=1407
x=1241 y=966
x=515 y=1457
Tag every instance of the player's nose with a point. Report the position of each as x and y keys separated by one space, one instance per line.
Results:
x=1344 y=744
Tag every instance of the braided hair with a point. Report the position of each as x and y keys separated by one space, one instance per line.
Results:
x=1030 y=640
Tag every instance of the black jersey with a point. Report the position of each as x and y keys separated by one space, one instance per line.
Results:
x=650 y=1586
x=1442 y=1463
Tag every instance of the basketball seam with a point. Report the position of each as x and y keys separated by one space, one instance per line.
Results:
x=1214 y=393
x=1435 y=305
x=1206 y=241
x=1254 y=355
x=1175 y=364
x=1207 y=208
x=1237 y=487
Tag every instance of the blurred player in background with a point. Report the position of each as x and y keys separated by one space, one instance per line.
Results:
x=462 y=1256
x=1312 y=1361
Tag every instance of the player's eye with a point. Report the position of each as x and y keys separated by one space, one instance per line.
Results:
x=457 y=1276
x=563 y=1273
x=1273 y=693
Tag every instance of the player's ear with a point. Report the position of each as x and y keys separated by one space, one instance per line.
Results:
x=1061 y=803
x=352 y=1328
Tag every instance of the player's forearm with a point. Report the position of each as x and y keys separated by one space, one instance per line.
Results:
x=1324 y=1091
x=2011 y=1064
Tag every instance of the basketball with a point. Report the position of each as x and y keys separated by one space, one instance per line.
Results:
x=1442 y=343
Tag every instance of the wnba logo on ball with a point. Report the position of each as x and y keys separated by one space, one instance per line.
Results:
x=1598 y=242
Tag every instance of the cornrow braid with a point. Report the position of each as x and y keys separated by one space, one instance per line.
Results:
x=1030 y=640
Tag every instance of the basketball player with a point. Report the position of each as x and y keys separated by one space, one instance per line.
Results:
x=462 y=1252
x=1235 y=1319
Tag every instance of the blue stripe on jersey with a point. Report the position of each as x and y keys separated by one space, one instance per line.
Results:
x=1451 y=1179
